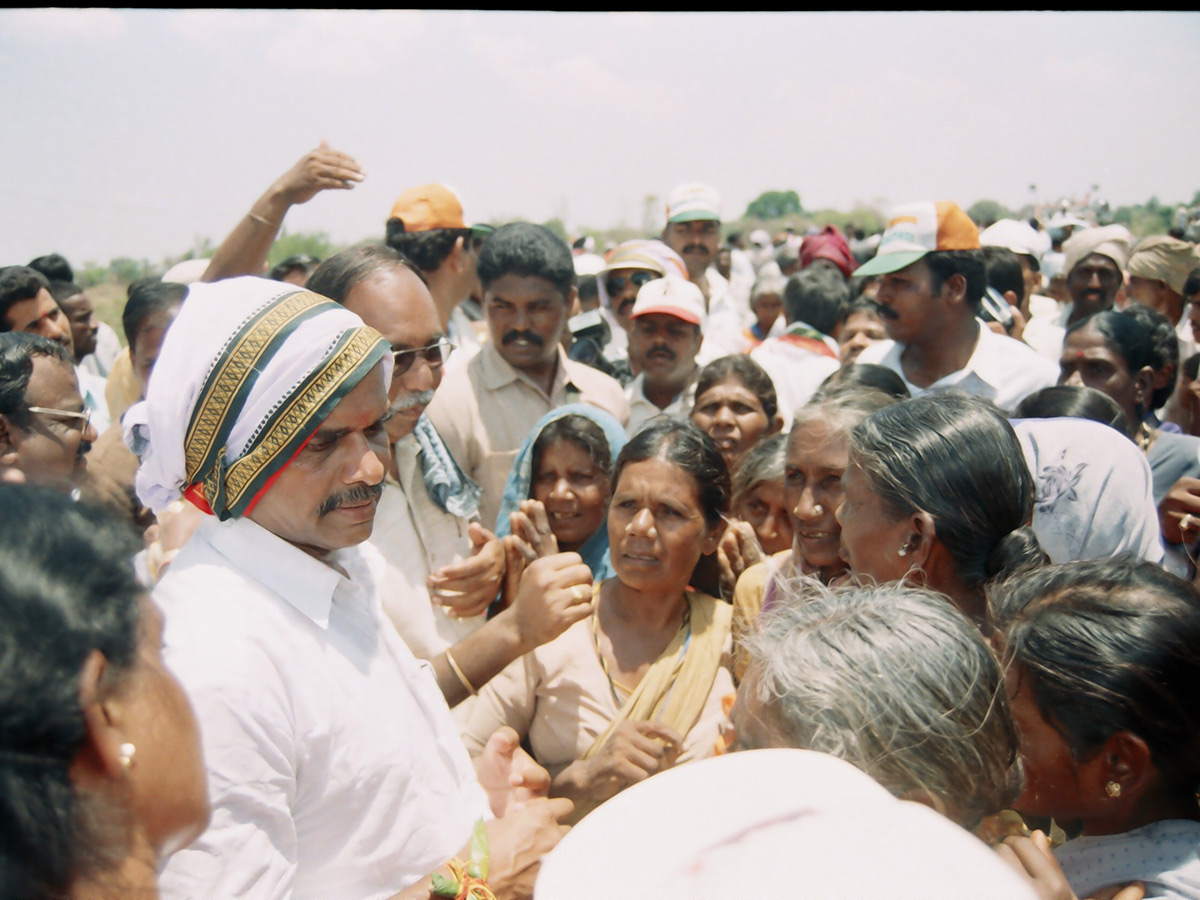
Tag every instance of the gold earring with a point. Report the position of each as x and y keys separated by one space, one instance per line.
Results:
x=127 y=750
x=1113 y=789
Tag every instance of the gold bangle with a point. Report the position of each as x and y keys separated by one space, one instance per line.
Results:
x=461 y=677
x=257 y=218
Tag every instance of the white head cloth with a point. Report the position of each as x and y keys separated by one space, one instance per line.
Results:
x=1109 y=240
x=210 y=319
x=771 y=823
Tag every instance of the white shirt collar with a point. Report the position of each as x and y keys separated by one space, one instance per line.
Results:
x=303 y=581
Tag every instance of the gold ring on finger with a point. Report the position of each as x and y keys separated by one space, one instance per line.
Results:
x=1185 y=524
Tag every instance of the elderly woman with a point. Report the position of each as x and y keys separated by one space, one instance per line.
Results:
x=557 y=492
x=637 y=685
x=101 y=773
x=815 y=458
x=890 y=678
x=1103 y=662
x=937 y=493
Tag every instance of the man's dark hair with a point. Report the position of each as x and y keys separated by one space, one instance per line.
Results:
x=428 y=249
x=816 y=296
x=301 y=262
x=1192 y=285
x=339 y=274
x=54 y=266
x=18 y=283
x=944 y=264
x=146 y=297
x=63 y=290
x=1003 y=270
x=528 y=250
x=17 y=350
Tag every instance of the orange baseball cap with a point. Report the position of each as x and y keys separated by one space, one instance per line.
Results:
x=919 y=228
x=428 y=207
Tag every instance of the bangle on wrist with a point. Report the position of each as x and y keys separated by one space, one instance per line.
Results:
x=254 y=217
x=459 y=673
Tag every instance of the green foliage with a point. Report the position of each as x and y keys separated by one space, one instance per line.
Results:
x=985 y=212
x=1143 y=220
x=316 y=243
x=556 y=225
x=126 y=270
x=774 y=205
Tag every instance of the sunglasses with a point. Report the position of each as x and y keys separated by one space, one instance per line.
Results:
x=616 y=283
x=435 y=355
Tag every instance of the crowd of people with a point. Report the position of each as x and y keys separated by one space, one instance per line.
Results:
x=472 y=564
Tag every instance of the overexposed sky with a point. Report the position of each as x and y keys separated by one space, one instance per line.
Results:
x=137 y=133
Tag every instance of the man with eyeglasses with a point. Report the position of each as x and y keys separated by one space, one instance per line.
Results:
x=443 y=567
x=426 y=224
x=45 y=429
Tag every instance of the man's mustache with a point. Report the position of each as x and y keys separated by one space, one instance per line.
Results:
x=513 y=336
x=697 y=248
x=352 y=497
x=661 y=350
x=885 y=312
x=410 y=401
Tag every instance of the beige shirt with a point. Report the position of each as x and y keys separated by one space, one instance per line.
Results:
x=416 y=537
x=559 y=697
x=485 y=412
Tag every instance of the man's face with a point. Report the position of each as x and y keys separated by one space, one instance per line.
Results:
x=50 y=449
x=526 y=315
x=696 y=242
x=41 y=315
x=908 y=306
x=664 y=349
x=81 y=315
x=622 y=286
x=147 y=344
x=1093 y=284
x=325 y=499
x=395 y=303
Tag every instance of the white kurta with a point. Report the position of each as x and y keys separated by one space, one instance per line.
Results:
x=334 y=768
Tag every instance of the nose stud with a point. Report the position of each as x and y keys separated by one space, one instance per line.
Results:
x=818 y=510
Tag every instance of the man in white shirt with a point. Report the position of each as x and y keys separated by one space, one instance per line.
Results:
x=932 y=283
x=665 y=335
x=334 y=767
x=693 y=230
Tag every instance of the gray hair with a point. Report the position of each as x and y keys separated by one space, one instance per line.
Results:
x=761 y=464
x=896 y=681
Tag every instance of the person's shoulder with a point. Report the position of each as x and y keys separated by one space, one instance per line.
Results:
x=879 y=353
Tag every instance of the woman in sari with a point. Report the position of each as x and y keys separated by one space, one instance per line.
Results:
x=636 y=686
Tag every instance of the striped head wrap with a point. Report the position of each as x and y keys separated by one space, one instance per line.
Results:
x=246 y=375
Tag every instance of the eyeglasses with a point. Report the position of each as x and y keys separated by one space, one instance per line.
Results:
x=617 y=283
x=84 y=418
x=435 y=355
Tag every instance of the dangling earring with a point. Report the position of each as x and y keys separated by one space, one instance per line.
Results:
x=1113 y=789
x=127 y=750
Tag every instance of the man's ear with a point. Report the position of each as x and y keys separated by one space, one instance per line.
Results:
x=8 y=447
x=954 y=288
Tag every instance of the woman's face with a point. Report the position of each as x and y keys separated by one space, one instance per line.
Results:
x=656 y=527
x=733 y=416
x=765 y=508
x=812 y=478
x=1051 y=777
x=1088 y=360
x=166 y=773
x=574 y=491
x=871 y=538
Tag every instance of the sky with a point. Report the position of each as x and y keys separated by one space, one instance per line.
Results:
x=140 y=133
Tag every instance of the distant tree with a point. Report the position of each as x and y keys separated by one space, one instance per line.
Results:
x=125 y=270
x=557 y=227
x=985 y=212
x=774 y=205
x=316 y=243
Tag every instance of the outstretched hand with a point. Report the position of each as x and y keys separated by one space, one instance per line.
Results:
x=510 y=776
x=467 y=588
x=322 y=169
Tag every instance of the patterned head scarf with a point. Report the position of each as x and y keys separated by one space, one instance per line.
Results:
x=830 y=244
x=246 y=375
